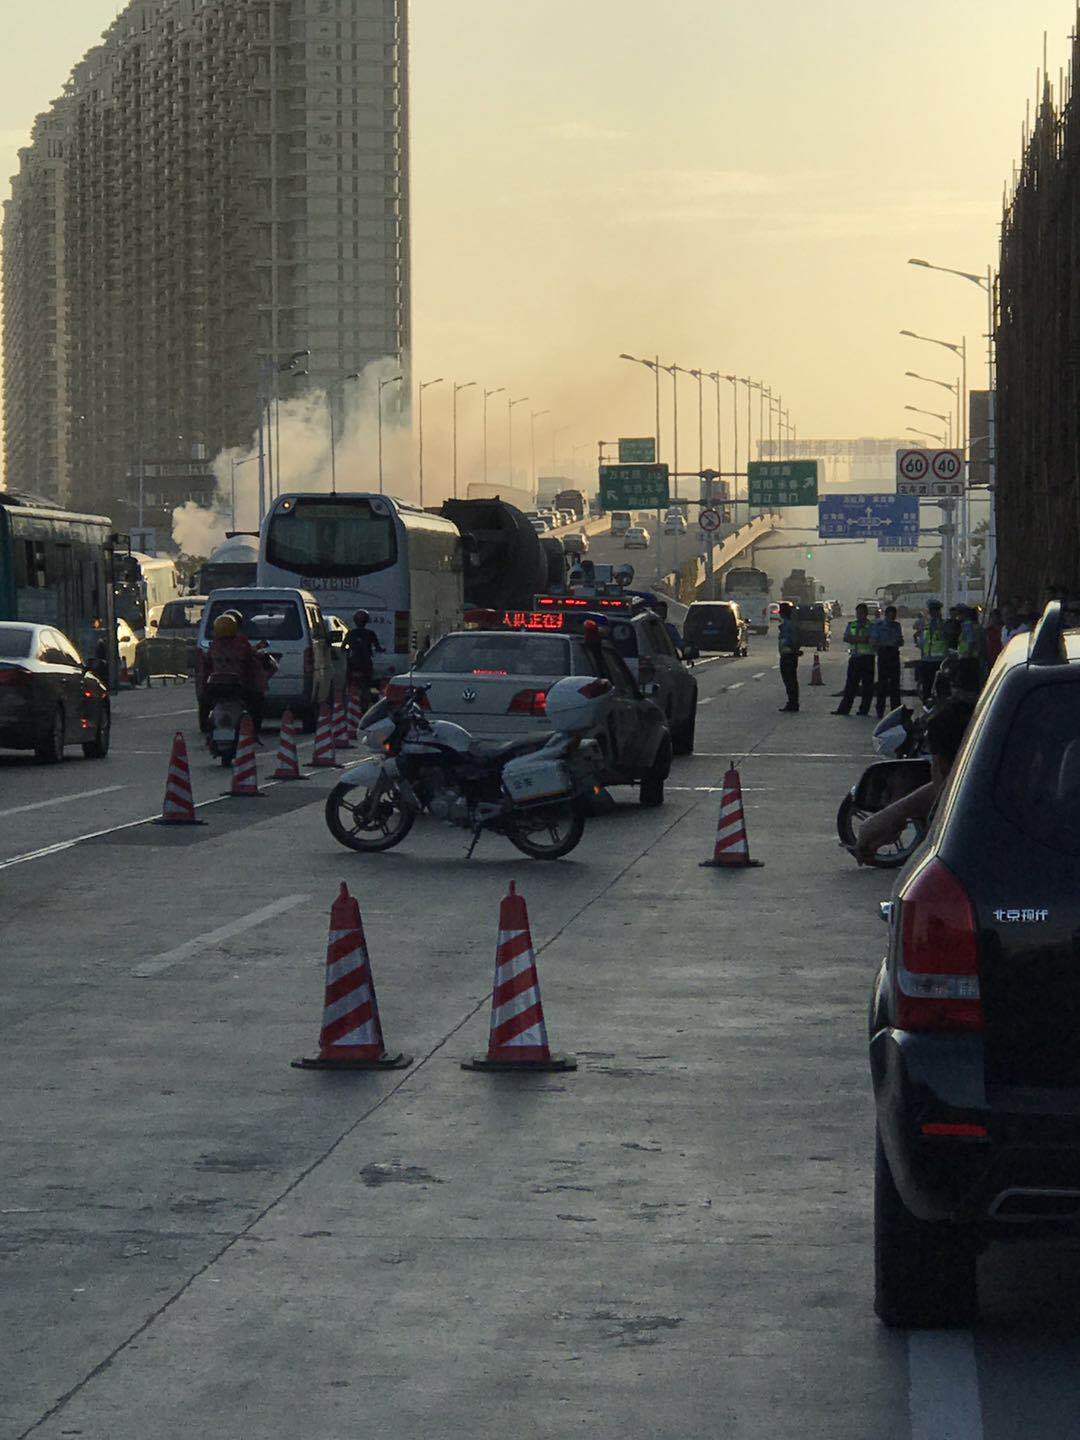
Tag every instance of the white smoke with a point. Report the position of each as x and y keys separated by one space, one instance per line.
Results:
x=299 y=442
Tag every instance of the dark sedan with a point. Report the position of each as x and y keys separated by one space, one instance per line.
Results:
x=48 y=698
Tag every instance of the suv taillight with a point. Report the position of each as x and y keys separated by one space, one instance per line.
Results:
x=937 y=970
x=529 y=702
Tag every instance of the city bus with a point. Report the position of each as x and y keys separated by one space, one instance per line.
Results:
x=56 y=568
x=140 y=583
x=363 y=551
x=750 y=589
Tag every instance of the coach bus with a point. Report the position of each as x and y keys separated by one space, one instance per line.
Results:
x=143 y=583
x=369 y=552
x=750 y=589
x=56 y=568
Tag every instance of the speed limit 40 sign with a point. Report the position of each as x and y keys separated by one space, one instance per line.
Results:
x=930 y=474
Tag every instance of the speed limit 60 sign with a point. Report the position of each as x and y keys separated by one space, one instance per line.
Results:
x=930 y=474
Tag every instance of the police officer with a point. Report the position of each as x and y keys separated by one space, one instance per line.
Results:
x=860 y=670
x=933 y=648
x=887 y=638
x=789 y=657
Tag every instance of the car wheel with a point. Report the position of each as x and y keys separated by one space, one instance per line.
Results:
x=50 y=748
x=924 y=1270
x=98 y=747
x=651 y=791
x=682 y=737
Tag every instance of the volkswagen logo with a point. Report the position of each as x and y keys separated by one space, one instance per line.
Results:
x=468 y=696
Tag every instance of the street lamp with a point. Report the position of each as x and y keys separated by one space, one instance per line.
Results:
x=424 y=385
x=510 y=433
x=236 y=466
x=467 y=385
x=927 y=435
x=391 y=380
x=333 y=442
x=961 y=399
x=487 y=396
x=655 y=366
x=533 y=417
x=582 y=445
x=285 y=367
x=929 y=380
x=946 y=420
x=562 y=430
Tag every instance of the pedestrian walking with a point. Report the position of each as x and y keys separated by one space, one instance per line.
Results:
x=860 y=669
x=887 y=638
x=789 y=656
x=933 y=648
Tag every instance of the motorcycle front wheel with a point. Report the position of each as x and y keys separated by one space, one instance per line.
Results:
x=547 y=833
x=367 y=820
x=849 y=821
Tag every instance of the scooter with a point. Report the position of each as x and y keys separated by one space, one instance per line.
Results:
x=534 y=791
x=881 y=784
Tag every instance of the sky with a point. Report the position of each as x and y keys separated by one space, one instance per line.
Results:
x=731 y=186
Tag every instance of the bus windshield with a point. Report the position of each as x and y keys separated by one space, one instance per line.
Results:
x=745 y=580
x=331 y=536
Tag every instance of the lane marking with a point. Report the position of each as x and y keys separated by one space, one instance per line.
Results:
x=737 y=686
x=59 y=800
x=943 y=1386
x=160 y=963
x=784 y=755
x=760 y=675
x=162 y=714
x=708 y=700
x=717 y=789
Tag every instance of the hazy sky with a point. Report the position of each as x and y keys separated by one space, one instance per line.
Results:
x=736 y=186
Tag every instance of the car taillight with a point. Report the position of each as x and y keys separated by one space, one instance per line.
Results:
x=937 y=973
x=397 y=694
x=401 y=632
x=529 y=702
x=14 y=675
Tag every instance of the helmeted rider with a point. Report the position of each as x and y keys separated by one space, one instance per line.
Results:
x=361 y=646
x=234 y=663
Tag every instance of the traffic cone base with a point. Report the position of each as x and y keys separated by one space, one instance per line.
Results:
x=385 y=1061
x=732 y=848
x=552 y=1063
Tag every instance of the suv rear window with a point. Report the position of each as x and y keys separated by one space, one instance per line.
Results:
x=262 y=619
x=497 y=654
x=1038 y=781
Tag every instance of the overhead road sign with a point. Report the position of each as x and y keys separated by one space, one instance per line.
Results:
x=896 y=542
x=869 y=517
x=634 y=487
x=637 y=451
x=930 y=474
x=709 y=520
x=775 y=483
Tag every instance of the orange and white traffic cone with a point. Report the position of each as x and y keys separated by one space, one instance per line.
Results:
x=732 y=849
x=815 y=673
x=324 y=739
x=178 y=807
x=354 y=713
x=341 y=723
x=351 y=1036
x=245 y=777
x=288 y=759
x=518 y=1037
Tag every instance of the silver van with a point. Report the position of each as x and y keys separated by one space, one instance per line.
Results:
x=296 y=635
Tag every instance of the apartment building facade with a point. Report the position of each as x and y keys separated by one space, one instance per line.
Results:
x=235 y=179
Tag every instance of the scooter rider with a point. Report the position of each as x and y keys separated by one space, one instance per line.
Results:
x=361 y=646
x=234 y=662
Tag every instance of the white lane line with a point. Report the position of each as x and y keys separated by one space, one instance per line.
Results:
x=160 y=963
x=737 y=686
x=943 y=1386
x=59 y=800
x=161 y=714
x=760 y=675
x=717 y=789
x=708 y=700
x=784 y=755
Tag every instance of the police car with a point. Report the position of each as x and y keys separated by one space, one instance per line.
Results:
x=493 y=681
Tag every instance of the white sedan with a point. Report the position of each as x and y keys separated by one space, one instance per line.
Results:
x=636 y=538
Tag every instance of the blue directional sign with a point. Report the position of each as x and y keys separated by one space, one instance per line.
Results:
x=869 y=517
x=898 y=542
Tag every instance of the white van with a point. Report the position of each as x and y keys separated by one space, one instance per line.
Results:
x=296 y=635
x=621 y=520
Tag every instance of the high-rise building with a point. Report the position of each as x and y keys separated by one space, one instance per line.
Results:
x=232 y=188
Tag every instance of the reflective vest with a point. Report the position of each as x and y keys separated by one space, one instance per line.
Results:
x=857 y=636
x=932 y=642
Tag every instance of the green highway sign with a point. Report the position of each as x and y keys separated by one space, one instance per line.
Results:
x=637 y=451
x=634 y=487
x=774 y=483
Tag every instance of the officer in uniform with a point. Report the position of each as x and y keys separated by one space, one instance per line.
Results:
x=860 y=670
x=887 y=638
x=789 y=656
x=933 y=648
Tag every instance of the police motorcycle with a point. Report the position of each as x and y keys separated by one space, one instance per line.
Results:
x=534 y=791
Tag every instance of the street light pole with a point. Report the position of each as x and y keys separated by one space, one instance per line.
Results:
x=392 y=380
x=467 y=385
x=534 y=415
x=355 y=375
x=510 y=403
x=424 y=385
x=655 y=366
x=946 y=419
x=236 y=466
x=487 y=396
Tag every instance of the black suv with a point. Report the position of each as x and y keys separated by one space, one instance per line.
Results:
x=975 y=1013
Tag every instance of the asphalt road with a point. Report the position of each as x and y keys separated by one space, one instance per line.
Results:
x=674 y=1241
x=667 y=550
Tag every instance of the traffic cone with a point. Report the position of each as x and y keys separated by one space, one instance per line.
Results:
x=732 y=849
x=354 y=713
x=518 y=1036
x=288 y=760
x=245 y=778
x=324 y=739
x=341 y=724
x=815 y=673
x=178 y=807
x=351 y=1036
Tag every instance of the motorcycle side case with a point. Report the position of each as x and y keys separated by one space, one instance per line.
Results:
x=532 y=779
